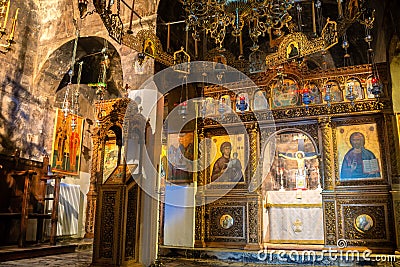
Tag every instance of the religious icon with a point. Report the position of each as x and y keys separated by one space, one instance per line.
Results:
x=363 y=223
x=290 y=161
x=358 y=152
x=208 y=107
x=315 y=93
x=67 y=142
x=226 y=221
x=260 y=102
x=180 y=157
x=149 y=48
x=224 y=105
x=353 y=86
x=301 y=174
x=110 y=155
x=225 y=167
x=228 y=164
x=332 y=90
x=293 y=50
x=285 y=93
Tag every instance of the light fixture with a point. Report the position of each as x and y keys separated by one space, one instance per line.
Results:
x=183 y=104
x=368 y=21
x=141 y=58
x=376 y=85
x=351 y=95
x=242 y=105
x=216 y=16
x=183 y=110
x=70 y=104
x=307 y=97
x=4 y=12
x=328 y=97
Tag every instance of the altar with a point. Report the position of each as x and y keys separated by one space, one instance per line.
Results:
x=294 y=216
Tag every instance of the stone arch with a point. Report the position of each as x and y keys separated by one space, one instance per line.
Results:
x=58 y=63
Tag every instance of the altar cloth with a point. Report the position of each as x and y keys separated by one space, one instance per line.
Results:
x=294 y=217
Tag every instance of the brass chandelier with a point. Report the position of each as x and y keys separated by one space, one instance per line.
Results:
x=215 y=17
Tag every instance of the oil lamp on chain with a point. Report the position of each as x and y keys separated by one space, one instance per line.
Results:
x=328 y=96
x=242 y=105
x=351 y=96
x=307 y=97
x=368 y=21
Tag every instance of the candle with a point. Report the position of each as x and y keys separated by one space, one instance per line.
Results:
x=6 y=16
x=13 y=25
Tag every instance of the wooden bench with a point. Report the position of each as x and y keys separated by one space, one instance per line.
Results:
x=25 y=213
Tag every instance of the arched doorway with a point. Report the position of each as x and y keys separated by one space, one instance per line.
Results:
x=292 y=189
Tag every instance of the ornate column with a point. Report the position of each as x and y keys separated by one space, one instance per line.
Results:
x=200 y=229
x=328 y=199
x=254 y=199
x=200 y=160
x=253 y=159
x=92 y=194
x=327 y=152
x=391 y=122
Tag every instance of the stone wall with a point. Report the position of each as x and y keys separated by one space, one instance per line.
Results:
x=33 y=69
x=38 y=61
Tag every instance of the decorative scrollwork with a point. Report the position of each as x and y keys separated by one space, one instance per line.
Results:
x=253 y=222
x=330 y=222
x=311 y=112
x=233 y=234
x=107 y=224
x=116 y=28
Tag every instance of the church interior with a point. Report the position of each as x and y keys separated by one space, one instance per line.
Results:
x=210 y=132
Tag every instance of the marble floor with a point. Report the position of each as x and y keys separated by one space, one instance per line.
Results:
x=83 y=258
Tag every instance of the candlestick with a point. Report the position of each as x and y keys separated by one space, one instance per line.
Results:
x=281 y=173
x=319 y=188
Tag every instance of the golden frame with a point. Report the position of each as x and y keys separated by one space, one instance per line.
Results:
x=358 y=152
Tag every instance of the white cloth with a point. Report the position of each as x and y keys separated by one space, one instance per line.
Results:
x=295 y=217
